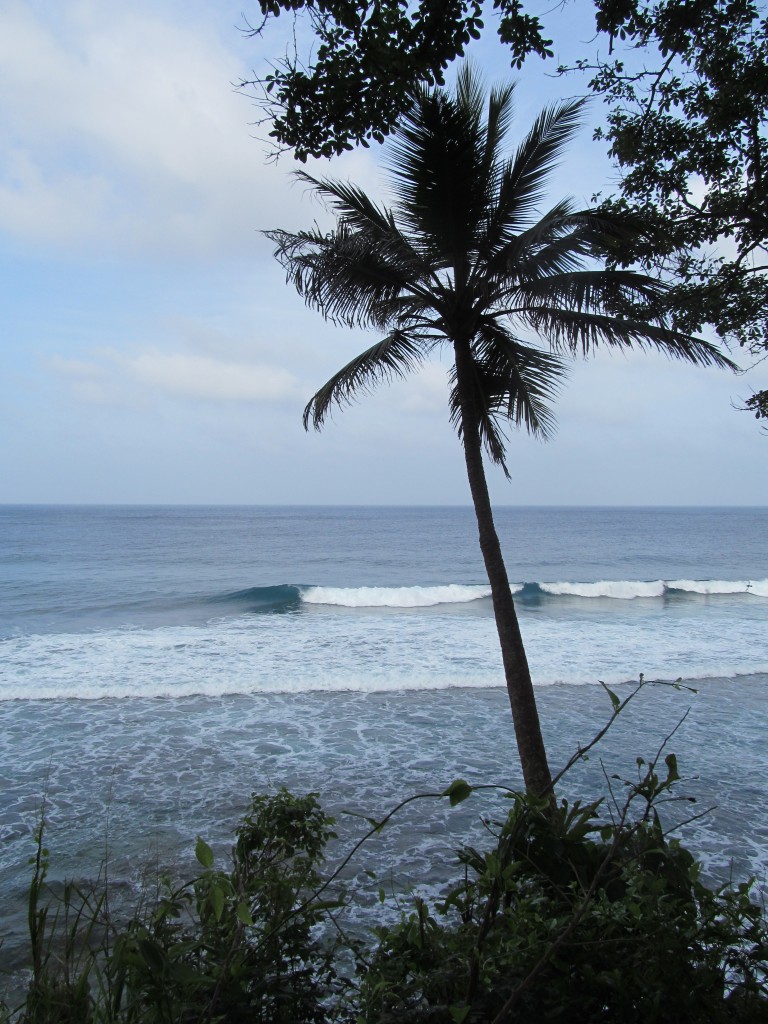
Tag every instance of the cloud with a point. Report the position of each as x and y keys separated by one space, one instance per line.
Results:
x=177 y=375
x=124 y=132
x=191 y=376
x=132 y=104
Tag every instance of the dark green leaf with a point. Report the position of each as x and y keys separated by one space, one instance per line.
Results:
x=458 y=791
x=203 y=853
x=244 y=914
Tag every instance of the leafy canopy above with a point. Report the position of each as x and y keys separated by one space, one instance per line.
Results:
x=686 y=89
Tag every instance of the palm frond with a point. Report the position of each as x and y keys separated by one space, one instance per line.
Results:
x=393 y=357
x=470 y=93
x=523 y=380
x=511 y=382
x=546 y=247
x=498 y=121
x=362 y=216
x=598 y=291
x=523 y=182
x=348 y=200
x=345 y=275
x=437 y=167
x=492 y=436
x=580 y=332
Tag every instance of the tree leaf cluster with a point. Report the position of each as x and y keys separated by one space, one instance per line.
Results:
x=235 y=943
x=366 y=62
x=687 y=125
x=686 y=89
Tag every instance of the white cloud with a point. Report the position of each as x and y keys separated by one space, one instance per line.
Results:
x=178 y=375
x=41 y=206
x=191 y=376
x=123 y=131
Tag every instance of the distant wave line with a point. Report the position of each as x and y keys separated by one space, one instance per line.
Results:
x=415 y=597
x=625 y=590
x=288 y=597
x=394 y=597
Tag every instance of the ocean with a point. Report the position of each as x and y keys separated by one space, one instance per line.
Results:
x=160 y=664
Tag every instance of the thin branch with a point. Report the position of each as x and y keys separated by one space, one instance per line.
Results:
x=656 y=82
x=617 y=710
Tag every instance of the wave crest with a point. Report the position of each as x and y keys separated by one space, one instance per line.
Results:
x=623 y=590
x=394 y=597
x=290 y=597
x=758 y=588
x=627 y=590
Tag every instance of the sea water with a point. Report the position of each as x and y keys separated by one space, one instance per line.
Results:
x=160 y=664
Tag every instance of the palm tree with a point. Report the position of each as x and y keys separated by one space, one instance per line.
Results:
x=461 y=260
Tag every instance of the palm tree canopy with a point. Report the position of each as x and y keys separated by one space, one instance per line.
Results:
x=464 y=258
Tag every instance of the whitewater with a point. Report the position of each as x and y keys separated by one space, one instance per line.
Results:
x=300 y=638
x=159 y=664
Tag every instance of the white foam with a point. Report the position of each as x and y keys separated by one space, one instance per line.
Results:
x=394 y=597
x=624 y=590
x=758 y=588
x=373 y=651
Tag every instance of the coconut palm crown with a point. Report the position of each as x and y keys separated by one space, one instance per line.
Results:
x=464 y=260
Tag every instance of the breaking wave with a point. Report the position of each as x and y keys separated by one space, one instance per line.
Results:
x=394 y=597
x=290 y=597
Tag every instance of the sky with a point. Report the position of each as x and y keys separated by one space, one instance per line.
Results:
x=153 y=353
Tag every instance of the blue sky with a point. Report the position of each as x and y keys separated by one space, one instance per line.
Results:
x=151 y=351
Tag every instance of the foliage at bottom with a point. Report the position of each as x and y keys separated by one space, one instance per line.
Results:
x=569 y=915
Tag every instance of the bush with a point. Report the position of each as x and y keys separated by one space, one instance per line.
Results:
x=567 y=917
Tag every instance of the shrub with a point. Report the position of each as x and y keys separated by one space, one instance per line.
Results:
x=566 y=917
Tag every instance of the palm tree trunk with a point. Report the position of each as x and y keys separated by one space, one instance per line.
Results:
x=525 y=715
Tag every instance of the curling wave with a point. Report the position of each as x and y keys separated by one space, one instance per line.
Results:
x=291 y=597
x=394 y=597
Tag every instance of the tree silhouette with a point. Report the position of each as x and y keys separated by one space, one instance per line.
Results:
x=462 y=260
